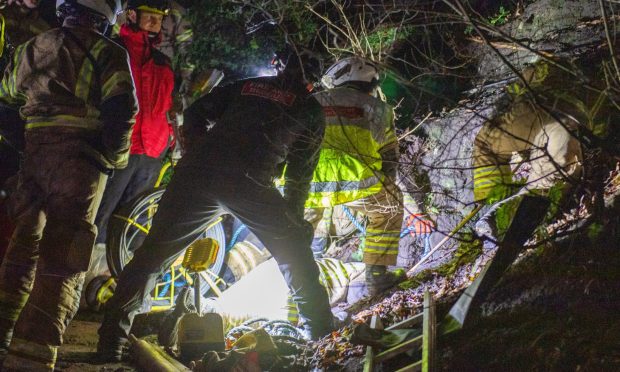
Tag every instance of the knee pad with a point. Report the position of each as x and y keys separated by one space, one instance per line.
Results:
x=67 y=247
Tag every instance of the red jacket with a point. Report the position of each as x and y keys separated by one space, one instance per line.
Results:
x=154 y=81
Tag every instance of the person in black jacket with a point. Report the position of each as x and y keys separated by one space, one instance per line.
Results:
x=257 y=125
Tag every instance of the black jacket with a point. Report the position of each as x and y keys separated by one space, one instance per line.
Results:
x=256 y=126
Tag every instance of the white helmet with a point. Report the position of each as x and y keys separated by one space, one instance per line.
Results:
x=106 y=8
x=350 y=70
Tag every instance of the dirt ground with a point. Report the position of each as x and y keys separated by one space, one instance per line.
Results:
x=80 y=342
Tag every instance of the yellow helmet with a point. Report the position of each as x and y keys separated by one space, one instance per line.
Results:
x=154 y=6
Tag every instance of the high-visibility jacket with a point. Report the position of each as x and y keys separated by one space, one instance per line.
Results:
x=154 y=81
x=359 y=138
x=57 y=85
x=545 y=108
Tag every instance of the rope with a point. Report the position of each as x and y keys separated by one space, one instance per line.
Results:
x=354 y=220
x=235 y=236
x=167 y=278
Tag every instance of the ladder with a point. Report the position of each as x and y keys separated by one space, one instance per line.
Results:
x=427 y=340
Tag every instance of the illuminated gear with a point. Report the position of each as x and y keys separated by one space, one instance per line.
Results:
x=359 y=144
x=555 y=154
x=60 y=181
x=2 y=39
x=384 y=213
x=350 y=70
x=528 y=126
x=336 y=276
x=154 y=6
x=107 y=9
x=357 y=168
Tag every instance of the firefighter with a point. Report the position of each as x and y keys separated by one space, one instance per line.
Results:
x=259 y=123
x=540 y=121
x=75 y=92
x=152 y=134
x=547 y=111
x=358 y=163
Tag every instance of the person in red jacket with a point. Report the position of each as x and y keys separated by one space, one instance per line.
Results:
x=152 y=133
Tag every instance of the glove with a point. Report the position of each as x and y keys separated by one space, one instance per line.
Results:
x=419 y=224
x=116 y=141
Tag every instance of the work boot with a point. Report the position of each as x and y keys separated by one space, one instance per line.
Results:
x=111 y=351
x=314 y=331
x=378 y=278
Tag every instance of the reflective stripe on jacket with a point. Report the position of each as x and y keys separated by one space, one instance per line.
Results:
x=154 y=81
x=56 y=84
x=357 y=127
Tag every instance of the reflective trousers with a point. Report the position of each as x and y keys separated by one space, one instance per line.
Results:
x=41 y=276
x=193 y=199
x=384 y=211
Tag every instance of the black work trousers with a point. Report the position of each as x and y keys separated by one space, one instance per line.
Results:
x=194 y=198
x=126 y=184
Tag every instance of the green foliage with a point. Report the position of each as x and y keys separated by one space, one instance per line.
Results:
x=382 y=38
x=594 y=231
x=500 y=18
x=504 y=215
x=501 y=191
x=467 y=252
x=240 y=38
x=555 y=195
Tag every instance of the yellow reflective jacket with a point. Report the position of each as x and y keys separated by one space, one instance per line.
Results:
x=359 y=135
x=558 y=87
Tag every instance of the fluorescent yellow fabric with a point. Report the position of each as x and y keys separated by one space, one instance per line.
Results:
x=358 y=127
x=2 y=38
x=553 y=153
